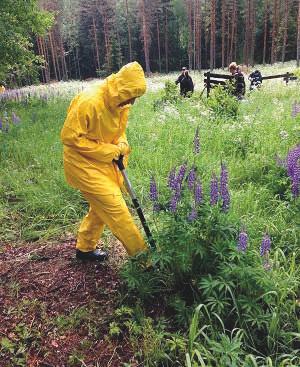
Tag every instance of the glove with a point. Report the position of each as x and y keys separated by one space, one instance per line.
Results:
x=124 y=148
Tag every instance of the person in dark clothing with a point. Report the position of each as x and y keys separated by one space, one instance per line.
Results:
x=255 y=80
x=186 y=84
x=181 y=76
x=239 y=81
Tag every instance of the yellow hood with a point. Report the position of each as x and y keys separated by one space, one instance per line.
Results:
x=128 y=83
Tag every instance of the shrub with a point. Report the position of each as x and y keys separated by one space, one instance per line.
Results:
x=204 y=258
x=222 y=103
x=170 y=95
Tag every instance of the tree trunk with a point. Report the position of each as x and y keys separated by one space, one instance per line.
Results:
x=285 y=28
x=247 y=33
x=129 y=31
x=265 y=30
x=212 y=34
x=253 y=31
x=97 y=61
x=228 y=36
x=158 y=43
x=120 y=56
x=166 y=39
x=46 y=58
x=77 y=63
x=194 y=36
x=233 y=31
x=190 y=22
x=274 y=32
x=63 y=59
x=198 y=34
x=145 y=35
x=223 y=31
x=53 y=55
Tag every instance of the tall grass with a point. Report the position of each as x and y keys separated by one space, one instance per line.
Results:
x=36 y=202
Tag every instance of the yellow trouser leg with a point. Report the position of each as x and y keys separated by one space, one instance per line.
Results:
x=89 y=232
x=112 y=211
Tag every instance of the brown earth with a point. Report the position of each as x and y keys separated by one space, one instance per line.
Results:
x=55 y=311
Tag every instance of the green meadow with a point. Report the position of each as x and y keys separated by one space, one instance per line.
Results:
x=242 y=309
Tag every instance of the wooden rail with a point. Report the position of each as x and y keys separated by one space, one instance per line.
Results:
x=212 y=79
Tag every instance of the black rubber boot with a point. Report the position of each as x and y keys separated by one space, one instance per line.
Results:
x=96 y=255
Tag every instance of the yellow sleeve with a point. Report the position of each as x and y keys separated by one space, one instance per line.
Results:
x=74 y=135
x=122 y=140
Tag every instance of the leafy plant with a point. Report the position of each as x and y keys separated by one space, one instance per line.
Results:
x=170 y=96
x=222 y=103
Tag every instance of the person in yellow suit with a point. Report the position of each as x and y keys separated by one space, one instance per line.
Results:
x=2 y=88
x=93 y=136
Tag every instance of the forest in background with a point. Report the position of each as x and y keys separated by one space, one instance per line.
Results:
x=89 y=38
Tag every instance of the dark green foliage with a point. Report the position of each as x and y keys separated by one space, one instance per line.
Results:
x=222 y=102
x=19 y=20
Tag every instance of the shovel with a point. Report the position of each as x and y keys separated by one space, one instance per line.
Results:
x=135 y=201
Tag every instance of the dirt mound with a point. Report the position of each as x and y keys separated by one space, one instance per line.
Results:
x=55 y=310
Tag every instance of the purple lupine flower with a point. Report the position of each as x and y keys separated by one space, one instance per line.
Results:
x=198 y=193
x=15 y=119
x=214 y=191
x=197 y=142
x=180 y=176
x=295 y=109
x=153 y=190
x=296 y=181
x=1 y=124
x=172 y=179
x=174 y=201
x=243 y=241
x=293 y=169
x=224 y=188
x=193 y=215
x=265 y=245
x=192 y=178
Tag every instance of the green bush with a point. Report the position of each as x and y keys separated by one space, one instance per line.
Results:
x=222 y=103
x=199 y=261
x=170 y=95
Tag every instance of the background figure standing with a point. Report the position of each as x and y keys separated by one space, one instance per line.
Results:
x=186 y=85
x=179 y=79
x=239 y=81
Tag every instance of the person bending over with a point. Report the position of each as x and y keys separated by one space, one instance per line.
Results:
x=93 y=136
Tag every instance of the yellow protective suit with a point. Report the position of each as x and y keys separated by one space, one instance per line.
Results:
x=92 y=135
x=2 y=89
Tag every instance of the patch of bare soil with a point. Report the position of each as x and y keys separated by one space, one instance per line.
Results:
x=55 y=311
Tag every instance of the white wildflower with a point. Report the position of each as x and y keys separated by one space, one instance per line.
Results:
x=190 y=119
x=247 y=120
x=204 y=113
x=171 y=110
x=283 y=134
